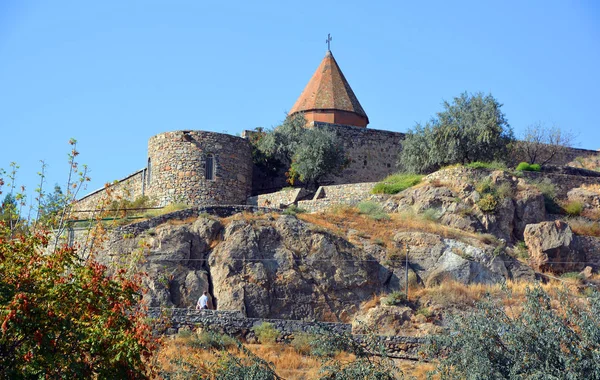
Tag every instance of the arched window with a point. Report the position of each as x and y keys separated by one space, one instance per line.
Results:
x=148 y=172
x=209 y=167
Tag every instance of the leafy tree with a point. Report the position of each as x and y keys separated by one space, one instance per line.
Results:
x=309 y=153
x=51 y=205
x=62 y=316
x=540 y=144
x=547 y=340
x=471 y=128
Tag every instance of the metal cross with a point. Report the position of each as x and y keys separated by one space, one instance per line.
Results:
x=328 y=40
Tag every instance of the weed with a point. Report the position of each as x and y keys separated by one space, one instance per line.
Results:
x=494 y=165
x=212 y=339
x=504 y=190
x=395 y=298
x=521 y=251
x=293 y=210
x=396 y=183
x=487 y=203
x=431 y=214
x=373 y=210
x=379 y=242
x=581 y=226
x=524 y=166
x=266 y=333
x=573 y=276
x=424 y=311
x=573 y=208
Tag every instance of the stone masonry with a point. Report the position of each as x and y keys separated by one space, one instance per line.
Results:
x=177 y=168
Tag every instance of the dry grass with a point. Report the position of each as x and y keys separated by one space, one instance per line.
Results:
x=288 y=363
x=584 y=227
x=341 y=219
x=373 y=302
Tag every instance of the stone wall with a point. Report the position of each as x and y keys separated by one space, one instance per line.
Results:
x=278 y=199
x=129 y=188
x=326 y=196
x=177 y=168
x=372 y=153
x=170 y=321
x=563 y=178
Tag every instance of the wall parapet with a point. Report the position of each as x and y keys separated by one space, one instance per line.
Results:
x=170 y=321
x=327 y=196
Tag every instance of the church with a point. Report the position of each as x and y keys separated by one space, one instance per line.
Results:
x=202 y=168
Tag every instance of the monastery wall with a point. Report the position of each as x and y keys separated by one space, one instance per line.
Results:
x=128 y=188
x=372 y=153
x=178 y=168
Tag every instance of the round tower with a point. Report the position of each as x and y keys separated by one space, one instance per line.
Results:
x=198 y=168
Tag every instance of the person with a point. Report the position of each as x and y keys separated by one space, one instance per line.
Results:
x=202 y=301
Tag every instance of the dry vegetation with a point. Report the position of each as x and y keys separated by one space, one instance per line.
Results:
x=340 y=219
x=287 y=361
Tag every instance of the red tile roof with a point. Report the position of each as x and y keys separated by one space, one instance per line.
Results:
x=328 y=89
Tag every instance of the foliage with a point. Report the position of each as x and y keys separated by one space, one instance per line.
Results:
x=540 y=144
x=431 y=214
x=548 y=190
x=396 y=183
x=309 y=153
x=494 y=165
x=395 y=298
x=266 y=333
x=364 y=366
x=573 y=208
x=293 y=210
x=525 y=166
x=211 y=339
x=303 y=343
x=487 y=203
x=546 y=340
x=471 y=128
x=521 y=251
x=373 y=210
x=63 y=315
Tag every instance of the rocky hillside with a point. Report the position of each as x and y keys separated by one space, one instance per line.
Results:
x=462 y=225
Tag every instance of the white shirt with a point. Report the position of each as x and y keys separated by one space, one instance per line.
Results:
x=203 y=301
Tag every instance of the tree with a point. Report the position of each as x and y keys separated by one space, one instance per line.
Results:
x=540 y=144
x=471 y=128
x=546 y=340
x=63 y=316
x=309 y=153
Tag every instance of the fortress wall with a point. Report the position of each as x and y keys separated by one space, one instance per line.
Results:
x=327 y=196
x=178 y=168
x=284 y=197
x=129 y=188
x=373 y=153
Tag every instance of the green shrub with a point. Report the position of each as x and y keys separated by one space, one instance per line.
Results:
x=213 y=339
x=266 y=333
x=551 y=338
x=487 y=203
x=548 y=190
x=524 y=166
x=484 y=186
x=293 y=210
x=395 y=298
x=303 y=343
x=373 y=210
x=431 y=214
x=521 y=251
x=504 y=190
x=573 y=208
x=494 y=165
x=396 y=183
x=424 y=311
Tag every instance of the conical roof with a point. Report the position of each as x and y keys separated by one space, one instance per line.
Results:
x=329 y=91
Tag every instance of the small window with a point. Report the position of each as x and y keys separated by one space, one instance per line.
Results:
x=148 y=171
x=210 y=167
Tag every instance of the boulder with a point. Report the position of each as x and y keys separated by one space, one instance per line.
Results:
x=552 y=247
x=382 y=320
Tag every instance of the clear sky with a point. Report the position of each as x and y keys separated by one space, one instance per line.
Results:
x=113 y=73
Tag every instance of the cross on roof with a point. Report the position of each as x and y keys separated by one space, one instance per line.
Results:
x=328 y=40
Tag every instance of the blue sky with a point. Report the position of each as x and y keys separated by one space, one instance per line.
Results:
x=113 y=73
